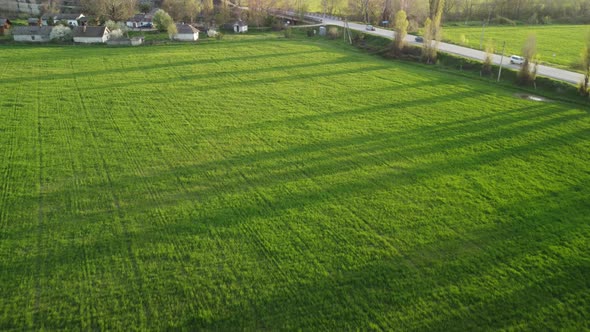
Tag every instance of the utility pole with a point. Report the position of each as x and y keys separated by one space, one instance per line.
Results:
x=501 y=60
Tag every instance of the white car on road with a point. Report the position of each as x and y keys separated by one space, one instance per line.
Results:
x=517 y=60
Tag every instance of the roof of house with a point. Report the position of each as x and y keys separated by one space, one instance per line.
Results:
x=183 y=29
x=141 y=18
x=4 y=21
x=241 y=23
x=33 y=20
x=86 y=31
x=31 y=30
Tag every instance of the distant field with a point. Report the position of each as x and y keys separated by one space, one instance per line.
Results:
x=556 y=44
x=263 y=183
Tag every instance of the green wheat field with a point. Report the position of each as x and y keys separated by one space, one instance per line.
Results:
x=264 y=183
x=557 y=45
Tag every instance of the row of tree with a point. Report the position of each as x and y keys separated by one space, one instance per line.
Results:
x=499 y=11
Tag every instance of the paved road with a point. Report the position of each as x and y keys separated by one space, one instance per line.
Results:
x=554 y=73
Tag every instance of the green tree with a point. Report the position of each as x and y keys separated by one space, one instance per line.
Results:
x=162 y=20
x=400 y=26
x=172 y=30
x=427 y=49
x=529 y=53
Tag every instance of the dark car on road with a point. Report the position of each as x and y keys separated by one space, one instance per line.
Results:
x=419 y=39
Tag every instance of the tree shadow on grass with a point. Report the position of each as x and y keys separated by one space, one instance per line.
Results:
x=350 y=299
x=442 y=286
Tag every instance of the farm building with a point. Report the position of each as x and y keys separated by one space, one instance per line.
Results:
x=35 y=34
x=90 y=35
x=240 y=27
x=5 y=24
x=186 y=32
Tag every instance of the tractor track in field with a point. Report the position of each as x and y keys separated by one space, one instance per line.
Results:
x=40 y=217
x=86 y=316
x=8 y=159
x=118 y=213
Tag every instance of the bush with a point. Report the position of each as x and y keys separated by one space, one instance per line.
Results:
x=171 y=30
x=162 y=20
x=211 y=33
x=333 y=33
x=219 y=36
x=288 y=32
x=61 y=33
x=112 y=26
x=116 y=34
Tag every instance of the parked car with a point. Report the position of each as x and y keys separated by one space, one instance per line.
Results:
x=370 y=28
x=516 y=60
x=419 y=39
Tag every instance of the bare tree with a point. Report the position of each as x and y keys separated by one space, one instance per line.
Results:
x=116 y=10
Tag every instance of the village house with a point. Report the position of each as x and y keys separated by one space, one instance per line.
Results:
x=34 y=34
x=90 y=35
x=141 y=21
x=186 y=32
x=72 y=20
x=240 y=27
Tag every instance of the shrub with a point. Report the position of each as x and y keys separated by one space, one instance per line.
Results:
x=486 y=68
x=61 y=33
x=211 y=33
x=288 y=32
x=162 y=20
x=116 y=34
x=172 y=30
x=219 y=36
x=333 y=33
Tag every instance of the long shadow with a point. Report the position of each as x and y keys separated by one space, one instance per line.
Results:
x=162 y=65
x=382 y=148
x=243 y=76
x=449 y=290
x=371 y=277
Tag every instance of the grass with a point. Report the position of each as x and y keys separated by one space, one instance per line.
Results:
x=559 y=45
x=263 y=183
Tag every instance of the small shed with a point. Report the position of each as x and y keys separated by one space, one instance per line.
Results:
x=91 y=35
x=34 y=34
x=186 y=32
x=240 y=27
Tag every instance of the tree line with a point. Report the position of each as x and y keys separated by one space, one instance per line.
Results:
x=489 y=11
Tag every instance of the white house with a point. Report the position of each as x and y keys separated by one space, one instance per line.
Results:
x=240 y=27
x=34 y=34
x=71 y=19
x=89 y=35
x=185 y=32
